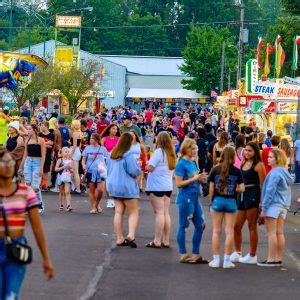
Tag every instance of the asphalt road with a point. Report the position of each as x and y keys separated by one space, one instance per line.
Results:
x=88 y=266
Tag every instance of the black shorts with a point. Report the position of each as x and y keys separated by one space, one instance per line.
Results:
x=88 y=178
x=160 y=194
x=249 y=199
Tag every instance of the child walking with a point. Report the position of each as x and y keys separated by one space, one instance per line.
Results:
x=64 y=178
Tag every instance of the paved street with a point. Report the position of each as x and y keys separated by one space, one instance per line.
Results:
x=88 y=266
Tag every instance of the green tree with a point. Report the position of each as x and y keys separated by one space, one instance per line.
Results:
x=202 y=57
x=39 y=86
x=291 y=6
x=150 y=40
x=74 y=84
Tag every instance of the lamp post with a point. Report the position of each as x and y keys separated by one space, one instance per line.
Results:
x=10 y=24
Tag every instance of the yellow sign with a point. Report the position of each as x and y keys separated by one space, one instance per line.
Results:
x=68 y=21
x=64 y=57
x=202 y=100
x=169 y=100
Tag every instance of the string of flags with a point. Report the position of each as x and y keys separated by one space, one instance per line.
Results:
x=279 y=55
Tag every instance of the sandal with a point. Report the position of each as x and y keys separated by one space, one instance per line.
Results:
x=99 y=210
x=199 y=260
x=93 y=211
x=152 y=245
x=131 y=243
x=69 y=208
x=123 y=244
x=165 y=246
x=185 y=260
x=61 y=208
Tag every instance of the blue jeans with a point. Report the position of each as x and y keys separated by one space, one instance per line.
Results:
x=32 y=176
x=11 y=273
x=185 y=208
x=297 y=172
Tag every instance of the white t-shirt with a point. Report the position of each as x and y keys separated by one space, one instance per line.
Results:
x=213 y=120
x=297 y=146
x=161 y=178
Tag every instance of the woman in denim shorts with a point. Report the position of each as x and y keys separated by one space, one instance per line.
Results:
x=33 y=162
x=225 y=180
x=276 y=200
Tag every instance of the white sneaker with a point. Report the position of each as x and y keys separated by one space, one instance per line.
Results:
x=214 y=264
x=110 y=203
x=248 y=259
x=228 y=265
x=235 y=257
x=55 y=190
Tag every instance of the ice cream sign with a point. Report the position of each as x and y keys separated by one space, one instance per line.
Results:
x=277 y=91
x=287 y=107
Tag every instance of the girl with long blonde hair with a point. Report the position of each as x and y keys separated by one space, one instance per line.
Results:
x=219 y=146
x=288 y=151
x=276 y=200
x=75 y=153
x=188 y=182
x=160 y=187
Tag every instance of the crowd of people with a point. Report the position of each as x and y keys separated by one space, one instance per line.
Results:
x=121 y=154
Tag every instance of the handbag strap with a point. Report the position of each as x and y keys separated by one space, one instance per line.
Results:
x=95 y=157
x=7 y=236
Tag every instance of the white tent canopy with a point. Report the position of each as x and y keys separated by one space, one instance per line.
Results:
x=163 y=93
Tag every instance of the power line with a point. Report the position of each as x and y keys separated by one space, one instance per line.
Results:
x=248 y=22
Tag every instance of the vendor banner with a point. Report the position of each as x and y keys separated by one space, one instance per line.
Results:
x=222 y=100
x=245 y=100
x=272 y=90
x=287 y=107
x=262 y=107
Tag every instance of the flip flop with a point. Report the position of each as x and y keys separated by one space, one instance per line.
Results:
x=185 y=260
x=93 y=211
x=152 y=245
x=165 y=246
x=123 y=244
x=199 y=260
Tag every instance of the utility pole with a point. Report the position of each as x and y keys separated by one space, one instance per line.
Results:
x=241 y=42
x=222 y=68
x=229 y=78
x=29 y=30
x=10 y=25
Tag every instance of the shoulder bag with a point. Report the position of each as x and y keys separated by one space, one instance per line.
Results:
x=18 y=252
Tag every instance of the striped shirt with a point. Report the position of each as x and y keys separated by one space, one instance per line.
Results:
x=16 y=205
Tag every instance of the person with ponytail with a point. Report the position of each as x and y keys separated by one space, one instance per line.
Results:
x=225 y=181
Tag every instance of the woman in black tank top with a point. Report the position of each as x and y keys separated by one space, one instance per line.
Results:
x=254 y=174
x=33 y=161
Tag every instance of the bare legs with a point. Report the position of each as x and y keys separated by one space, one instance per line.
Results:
x=132 y=206
x=160 y=207
x=217 y=230
x=76 y=175
x=96 y=191
x=251 y=216
x=276 y=239
x=65 y=191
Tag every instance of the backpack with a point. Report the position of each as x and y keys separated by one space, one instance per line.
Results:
x=65 y=136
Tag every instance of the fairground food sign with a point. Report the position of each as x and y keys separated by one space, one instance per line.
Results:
x=275 y=91
x=68 y=21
